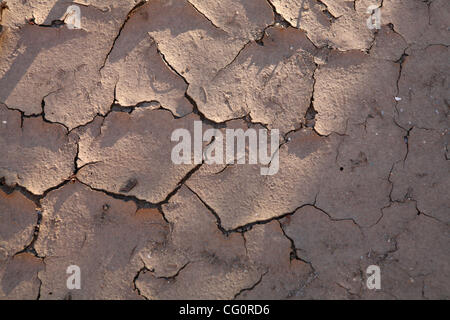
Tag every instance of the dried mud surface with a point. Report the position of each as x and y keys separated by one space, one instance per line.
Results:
x=86 y=177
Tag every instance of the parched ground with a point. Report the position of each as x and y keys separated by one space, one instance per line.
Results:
x=86 y=117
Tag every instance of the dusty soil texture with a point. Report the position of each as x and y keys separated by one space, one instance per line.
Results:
x=86 y=177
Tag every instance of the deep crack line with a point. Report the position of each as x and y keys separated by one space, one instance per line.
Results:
x=294 y=249
x=248 y=226
x=136 y=277
x=142 y=203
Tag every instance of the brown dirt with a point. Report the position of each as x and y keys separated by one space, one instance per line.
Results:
x=86 y=177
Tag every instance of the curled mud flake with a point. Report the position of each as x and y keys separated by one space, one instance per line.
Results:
x=131 y=183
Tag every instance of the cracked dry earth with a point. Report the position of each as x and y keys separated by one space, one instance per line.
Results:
x=87 y=179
